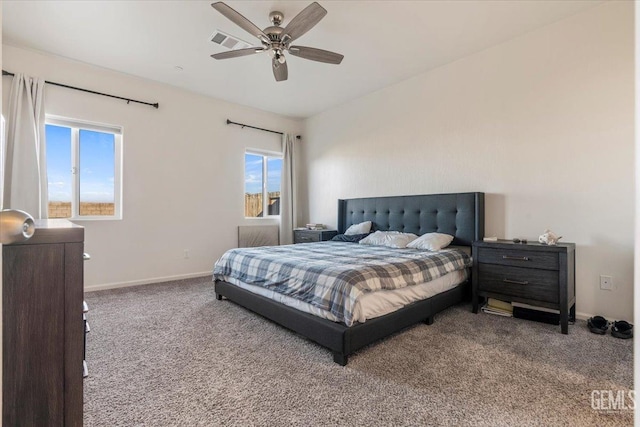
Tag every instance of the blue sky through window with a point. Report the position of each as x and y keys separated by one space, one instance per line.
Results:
x=274 y=171
x=59 y=163
x=253 y=173
x=97 y=163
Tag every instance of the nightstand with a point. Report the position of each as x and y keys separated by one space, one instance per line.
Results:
x=531 y=273
x=308 y=236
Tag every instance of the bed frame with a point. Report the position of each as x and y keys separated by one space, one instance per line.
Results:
x=458 y=214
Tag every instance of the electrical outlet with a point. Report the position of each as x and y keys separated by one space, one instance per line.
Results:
x=186 y=254
x=606 y=283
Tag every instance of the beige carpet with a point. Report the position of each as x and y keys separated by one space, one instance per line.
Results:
x=170 y=354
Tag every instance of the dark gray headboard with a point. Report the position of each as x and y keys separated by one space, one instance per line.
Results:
x=458 y=214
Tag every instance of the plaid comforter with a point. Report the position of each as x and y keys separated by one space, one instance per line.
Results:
x=333 y=275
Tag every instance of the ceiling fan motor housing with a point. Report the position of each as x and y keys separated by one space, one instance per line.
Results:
x=277 y=40
x=273 y=33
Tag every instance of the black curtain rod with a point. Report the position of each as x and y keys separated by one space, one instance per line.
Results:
x=229 y=122
x=156 y=105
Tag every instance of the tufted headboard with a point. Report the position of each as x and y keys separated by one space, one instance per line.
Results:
x=458 y=214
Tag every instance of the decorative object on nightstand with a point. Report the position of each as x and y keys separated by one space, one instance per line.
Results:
x=532 y=273
x=549 y=238
x=307 y=236
x=315 y=226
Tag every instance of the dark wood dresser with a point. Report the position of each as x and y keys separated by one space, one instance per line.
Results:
x=308 y=236
x=42 y=329
x=530 y=273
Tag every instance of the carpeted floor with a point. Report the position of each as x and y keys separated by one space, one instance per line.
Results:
x=170 y=354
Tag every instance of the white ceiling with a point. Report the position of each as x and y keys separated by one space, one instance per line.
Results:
x=383 y=42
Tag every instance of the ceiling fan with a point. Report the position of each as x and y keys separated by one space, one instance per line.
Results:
x=277 y=40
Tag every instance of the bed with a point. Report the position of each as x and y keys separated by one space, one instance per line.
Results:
x=460 y=215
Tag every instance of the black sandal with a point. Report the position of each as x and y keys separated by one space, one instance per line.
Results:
x=622 y=329
x=598 y=325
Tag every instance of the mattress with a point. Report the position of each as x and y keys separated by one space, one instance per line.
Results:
x=333 y=276
x=372 y=304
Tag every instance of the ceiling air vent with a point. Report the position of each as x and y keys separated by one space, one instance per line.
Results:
x=230 y=42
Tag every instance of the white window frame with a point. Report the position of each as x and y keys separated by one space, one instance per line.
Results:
x=265 y=192
x=76 y=125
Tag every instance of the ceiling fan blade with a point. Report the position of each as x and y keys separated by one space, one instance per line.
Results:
x=314 y=54
x=237 y=53
x=280 y=71
x=239 y=20
x=303 y=22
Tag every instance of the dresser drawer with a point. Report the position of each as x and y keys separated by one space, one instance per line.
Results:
x=541 y=285
x=519 y=258
x=305 y=237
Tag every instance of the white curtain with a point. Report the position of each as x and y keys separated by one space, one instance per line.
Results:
x=287 y=190
x=25 y=168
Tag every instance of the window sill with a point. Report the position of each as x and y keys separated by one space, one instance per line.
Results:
x=95 y=218
x=262 y=218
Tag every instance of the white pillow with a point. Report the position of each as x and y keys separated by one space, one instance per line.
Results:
x=392 y=239
x=431 y=241
x=362 y=228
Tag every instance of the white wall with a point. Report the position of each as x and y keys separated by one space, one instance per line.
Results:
x=183 y=168
x=543 y=124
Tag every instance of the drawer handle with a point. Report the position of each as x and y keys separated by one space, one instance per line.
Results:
x=515 y=282
x=515 y=258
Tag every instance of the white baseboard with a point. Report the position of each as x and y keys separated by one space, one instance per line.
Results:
x=115 y=285
x=583 y=316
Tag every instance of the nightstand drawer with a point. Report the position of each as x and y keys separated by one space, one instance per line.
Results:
x=541 y=285
x=309 y=236
x=519 y=258
x=305 y=237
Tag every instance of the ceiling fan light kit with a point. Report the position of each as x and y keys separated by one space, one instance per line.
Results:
x=277 y=40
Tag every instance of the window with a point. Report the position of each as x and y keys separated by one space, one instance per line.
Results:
x=262 y=184
x=84 y=163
